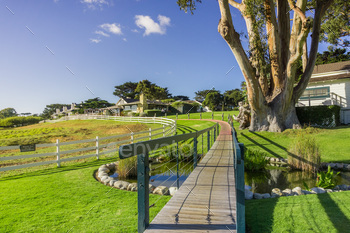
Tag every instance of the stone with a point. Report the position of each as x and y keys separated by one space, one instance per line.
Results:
x=161 y=190
x=332 y=165
x=106 y=181
x=274 y=195
x=347 y=167
x=287 y=192
x=341 y=187
x=103 y=168
x=318 y=190
x=266 y=195
x=103 y=178
x=276 y=191
x=172 y=190
x=329 y=190
x=151 y=188
x=248 y=194
x=340 y=166
x=121 y=184
x=297 y=191
x=111 y=182
x=258 y=196
x=306 y=192
x=132 y=187
x=272 y=160
x=101 y=174
x=111 y=166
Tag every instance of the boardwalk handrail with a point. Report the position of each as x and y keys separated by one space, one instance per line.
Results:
x=141 y=150
x=169 y=128
x=238 y=154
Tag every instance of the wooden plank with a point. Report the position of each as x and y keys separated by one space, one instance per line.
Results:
x=206 y=201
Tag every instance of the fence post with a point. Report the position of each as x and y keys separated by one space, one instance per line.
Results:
x=58 y=152
x=176 y=116
x=143 y=191
x=222 y=117
x=214 y=133
x=188 y=116
x=240 y=192
x=177 y=166
x=132 y=137
x=195 y=152
x=165 y=115
x=212 y=115
x=97 y=150
x=208 y=140
x=150 y=133
x=200 y=116
x=163 y=130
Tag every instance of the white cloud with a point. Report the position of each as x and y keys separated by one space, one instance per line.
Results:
x=95 y=41
x=124 y=39
x=112 y=28
x=150 y=26
x=93 y=4
x=101 y=33
x=135 y=30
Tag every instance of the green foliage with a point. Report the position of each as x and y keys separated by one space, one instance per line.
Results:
x=232 y=97
x=326 y=179
x=151 y=112
x=304 y=153
x=181 y=97
x=126 y=90
x=255 y=160
x=332 y=55
x=168 y=101
x=213 y=99
x=7 y=112
x=324 y=116
x=143 y=114
x=200 y=95
x=95 y=103
x=127 y=168
x=151 y=90
x=188 y=5
x=19 y=121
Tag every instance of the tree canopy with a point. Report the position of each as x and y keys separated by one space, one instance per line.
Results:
x=332 y=55
x=51 y=109
x=152 y=91
x=277 y=31
x=213 y=100
x=7 y=112
x=232 y=97
x=126 y=90
x=201 y=95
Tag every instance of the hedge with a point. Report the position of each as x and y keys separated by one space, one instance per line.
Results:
x=19 y=121
x=151 y=112
x=322 y=116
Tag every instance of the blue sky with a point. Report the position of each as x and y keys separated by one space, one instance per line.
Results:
x=65 y=51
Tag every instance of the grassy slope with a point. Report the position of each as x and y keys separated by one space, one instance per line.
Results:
x=334 y=143
x=70 y=199
x=327 y=212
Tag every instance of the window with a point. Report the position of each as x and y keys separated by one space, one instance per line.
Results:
x=314 y=93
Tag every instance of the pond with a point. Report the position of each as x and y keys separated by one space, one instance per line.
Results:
x=264 y=182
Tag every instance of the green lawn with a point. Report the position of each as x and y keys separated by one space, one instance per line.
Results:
x=334 y=143
x=327 y=212
x=206 y=115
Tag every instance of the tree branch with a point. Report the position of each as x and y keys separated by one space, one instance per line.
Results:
x=284 y=33
x=298 y=10
x=237 y=5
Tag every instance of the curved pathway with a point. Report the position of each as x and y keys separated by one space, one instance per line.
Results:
x=206 y=200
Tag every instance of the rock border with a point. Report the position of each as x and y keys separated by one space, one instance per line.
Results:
x=297 y=191
x=102 y=175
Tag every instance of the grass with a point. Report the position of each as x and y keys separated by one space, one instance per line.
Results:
x=327 y=212
x=205 y=115
x=68 y=199
x=334 y=143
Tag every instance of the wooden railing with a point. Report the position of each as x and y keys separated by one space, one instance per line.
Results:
x=168 y=128
x=238 y=150
x=142 y=150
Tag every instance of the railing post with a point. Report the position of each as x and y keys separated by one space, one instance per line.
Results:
x=240 y=192
x=176 y=116
x=188 y=116
x=132 y=137
x=202 y=145
x=97 y=150
x=222 y=117
x=200 y=116
x=177 y=166
x=195 y=152
x=163 y=131
x=208 y=140
x=150 y=133
x=212 y=115
x=58 y=152
x=214 y=133
x=143 y=191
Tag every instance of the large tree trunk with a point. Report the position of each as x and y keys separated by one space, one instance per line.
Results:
x=273 y=106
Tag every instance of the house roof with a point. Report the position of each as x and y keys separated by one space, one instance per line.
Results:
x=344 y=65
x=332 y=71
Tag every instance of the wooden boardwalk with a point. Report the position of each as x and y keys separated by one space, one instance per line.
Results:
x=206 y=200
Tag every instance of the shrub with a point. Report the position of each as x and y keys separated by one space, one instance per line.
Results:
x=255 y=160
x=326 y=179
x=143 y=114
x=325 y=116
x=19 y=121
x=304 y=153
x=127 y=168
x=151 y=112
x=132 y=114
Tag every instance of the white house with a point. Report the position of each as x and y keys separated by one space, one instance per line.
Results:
x=329 y=85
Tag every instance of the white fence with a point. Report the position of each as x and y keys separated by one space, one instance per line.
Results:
x=168 y=128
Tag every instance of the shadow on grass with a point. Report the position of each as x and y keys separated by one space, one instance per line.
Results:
x=185 y=129
x=259 y=216
x=63 y=168
x=261 y=146
x=339 y=220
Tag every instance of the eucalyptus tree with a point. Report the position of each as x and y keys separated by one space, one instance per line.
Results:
x=277 y=31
